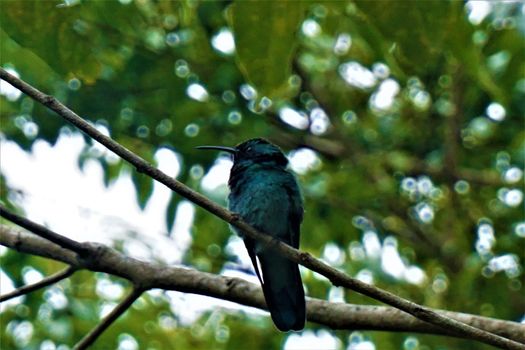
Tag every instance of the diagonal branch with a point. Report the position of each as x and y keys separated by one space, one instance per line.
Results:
x=329 y=314
x=42 y=231
x=108 y=320
x=65 y=273
x=337 y=277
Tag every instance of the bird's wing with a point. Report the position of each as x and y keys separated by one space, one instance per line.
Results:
x=295 y=214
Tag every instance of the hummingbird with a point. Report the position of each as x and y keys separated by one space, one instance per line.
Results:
x=266 y=195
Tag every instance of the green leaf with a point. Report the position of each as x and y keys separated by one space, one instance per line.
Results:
x=443 y=32
x=111 y=171
x=144 y=186
x=72 y=40
x=396 y=21
x=52 y=37
x=171 y=211
x=265 y=39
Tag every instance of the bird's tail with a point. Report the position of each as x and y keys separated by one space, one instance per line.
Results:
x=283 y=291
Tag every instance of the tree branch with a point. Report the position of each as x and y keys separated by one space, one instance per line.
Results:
x=333 y=315
x=337 y=277
x=65 y=273
x=42 y=231
x=108 y=320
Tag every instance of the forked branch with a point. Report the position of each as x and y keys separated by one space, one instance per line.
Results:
x=101 y=258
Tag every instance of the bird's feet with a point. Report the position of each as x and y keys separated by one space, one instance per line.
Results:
x=235 y=217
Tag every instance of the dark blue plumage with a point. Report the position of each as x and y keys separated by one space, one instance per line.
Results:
x=267 y=196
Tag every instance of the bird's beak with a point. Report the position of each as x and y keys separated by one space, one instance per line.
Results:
x=219 y=148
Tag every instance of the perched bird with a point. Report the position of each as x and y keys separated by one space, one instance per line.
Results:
x=266 y=195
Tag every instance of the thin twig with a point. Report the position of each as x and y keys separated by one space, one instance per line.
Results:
x=65 y=273
x=42 y=231
x=187 y=280
x=108 y=320
x=337 y=277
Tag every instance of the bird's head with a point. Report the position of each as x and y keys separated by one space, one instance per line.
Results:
x=256 y=150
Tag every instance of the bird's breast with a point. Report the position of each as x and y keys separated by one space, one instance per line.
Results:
x=263 y=200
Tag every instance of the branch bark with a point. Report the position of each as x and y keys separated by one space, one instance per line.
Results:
x=333 y=315
x=42 y=231
x=337 y=277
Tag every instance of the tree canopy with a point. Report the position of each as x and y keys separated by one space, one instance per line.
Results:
x=404 y=122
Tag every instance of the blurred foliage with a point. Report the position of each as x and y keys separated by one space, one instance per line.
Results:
x=414 y=112
x=263 y=64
